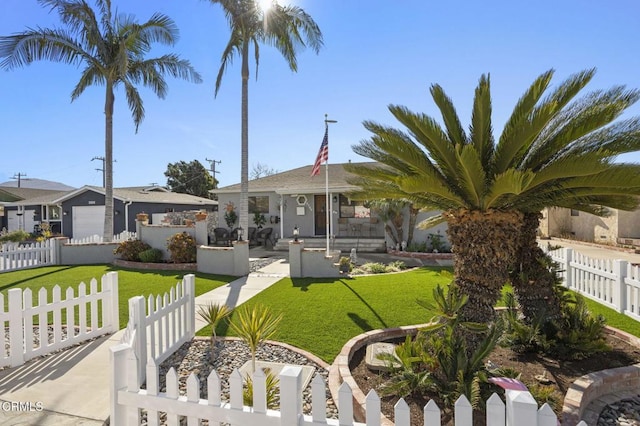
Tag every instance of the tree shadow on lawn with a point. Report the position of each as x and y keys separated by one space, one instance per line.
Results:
x=305 y=283
x=15 y=283
x=362 y=322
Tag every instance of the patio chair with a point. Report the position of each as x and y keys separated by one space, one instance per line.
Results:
x=221 y=236
x=262 y=236
x=251 y=235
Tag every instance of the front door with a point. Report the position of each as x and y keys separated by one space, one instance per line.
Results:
x=320 y=209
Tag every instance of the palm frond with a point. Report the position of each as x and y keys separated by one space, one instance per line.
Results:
x=135 y=103
x=481 y=132
x=91 y=76
x=472 y=175
x=450 y=117
x=234 y=45
x=54 y=45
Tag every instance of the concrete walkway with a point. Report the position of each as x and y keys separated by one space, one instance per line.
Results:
x=71 y=387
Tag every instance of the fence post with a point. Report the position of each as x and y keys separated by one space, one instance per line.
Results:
x=189 y=281
x=118 y=361
x=112 y=280
x=137 y=314
x=295 y=258
x=290 y=395
x=241 y=258
x=568 y=258
x=522 y=409
x=16 y=337
x=619 y=286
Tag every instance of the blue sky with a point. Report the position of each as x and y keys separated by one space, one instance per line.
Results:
x=376 y=53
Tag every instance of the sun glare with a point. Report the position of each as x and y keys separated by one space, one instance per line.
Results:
x=265 y=4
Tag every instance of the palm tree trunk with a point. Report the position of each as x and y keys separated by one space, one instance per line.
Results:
x=484 y=247
x=108 y=164
x=244 y=161
x=532 y=280
x=413 y=217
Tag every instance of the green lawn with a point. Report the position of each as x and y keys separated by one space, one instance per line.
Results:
x=320 y=315
x=130 y=282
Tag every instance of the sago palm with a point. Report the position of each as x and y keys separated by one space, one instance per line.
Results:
x=287 y=28
x=555 y=150
x=112 y=51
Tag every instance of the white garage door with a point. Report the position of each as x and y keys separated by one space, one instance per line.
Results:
x=87 y=221
x=24 y=221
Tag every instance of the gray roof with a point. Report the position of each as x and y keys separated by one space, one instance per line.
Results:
x=298 y=181
x=34 y=183
x=134 y=194
x=27 y=193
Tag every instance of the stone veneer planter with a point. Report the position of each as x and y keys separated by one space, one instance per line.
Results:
x=156 y=266
x=581 y=393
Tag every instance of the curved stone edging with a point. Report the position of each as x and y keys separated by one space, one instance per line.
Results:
x=580 y=394
x=156 y=266
x=296 y=349
x=592 y=386
x=340 y=371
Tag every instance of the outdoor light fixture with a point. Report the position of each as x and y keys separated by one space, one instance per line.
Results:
x=296 y=232
x=240 y=230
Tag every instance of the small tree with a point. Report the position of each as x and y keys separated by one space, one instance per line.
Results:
x=255 y=325
x=190 y=178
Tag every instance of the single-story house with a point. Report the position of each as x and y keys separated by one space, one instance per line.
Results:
x=293 y=198
x=619 y=227
x=80 y=213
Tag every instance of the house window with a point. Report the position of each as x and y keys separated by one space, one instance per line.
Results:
x=575 y=212
x=352 y=208
x=259 y=204
x=54 y=212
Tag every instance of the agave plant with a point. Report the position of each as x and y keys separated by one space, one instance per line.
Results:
x=212 y=314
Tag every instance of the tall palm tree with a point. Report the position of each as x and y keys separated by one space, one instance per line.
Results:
x=554 y=150
x=287 y=28
x=112 y=50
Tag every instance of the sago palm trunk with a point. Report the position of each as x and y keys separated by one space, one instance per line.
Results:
x=484 y=247
x=532 y=281
x=244 y=160
x=108 y=164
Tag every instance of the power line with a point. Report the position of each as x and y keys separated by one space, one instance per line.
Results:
x=104 y=181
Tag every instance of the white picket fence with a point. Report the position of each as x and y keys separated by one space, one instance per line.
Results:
x=98 y=239
x=19 y=313
x=614 y=283
x=14 y=256
x=158 y=326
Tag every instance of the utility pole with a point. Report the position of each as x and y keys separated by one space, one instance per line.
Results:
x=104 y=182
x=19 y=176
x=214 y=171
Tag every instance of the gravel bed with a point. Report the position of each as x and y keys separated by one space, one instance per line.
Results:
x=194 y=357
x=258 y=264
x=622 y=413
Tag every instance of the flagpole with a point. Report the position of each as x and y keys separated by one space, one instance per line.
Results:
x=326 y=185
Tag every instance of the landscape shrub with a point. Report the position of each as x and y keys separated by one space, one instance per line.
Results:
x=151 y=256
x=130 y=250
x=14 y=236
x=182 y=247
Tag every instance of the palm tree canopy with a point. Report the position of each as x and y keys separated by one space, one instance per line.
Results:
x=110 y=49
x=556 y=149
x=287 y=28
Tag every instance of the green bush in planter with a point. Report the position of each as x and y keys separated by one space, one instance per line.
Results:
x=151 y=256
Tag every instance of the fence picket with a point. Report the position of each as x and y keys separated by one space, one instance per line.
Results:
x=495 y=411
x=345 y=403
x=432 y=416
x=372 y=402
x=401 y=413
x=172 y=393
x=259 y=391
x=235 y=390
x=318 y=400
x=213 y=393
x=193 y=395
x=42 y=320
x=57 y=320
x=27 y=303
x=82 y=308
x=93 y=289
x=71 y=332
x=152 y=389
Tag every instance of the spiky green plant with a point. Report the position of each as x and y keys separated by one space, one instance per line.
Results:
x=212 y=314
x=254 y=325
x=272 y=382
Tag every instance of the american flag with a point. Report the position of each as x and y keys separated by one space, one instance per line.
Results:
x=323 y=154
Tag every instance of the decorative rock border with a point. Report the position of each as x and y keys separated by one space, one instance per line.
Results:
x=421 y=255
x=591 y=387
x=156 y=266
x=581 y=393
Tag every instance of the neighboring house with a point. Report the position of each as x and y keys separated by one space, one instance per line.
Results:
x=9 y=218
x=615 y=228
x=295 y=199
x=80 y=213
